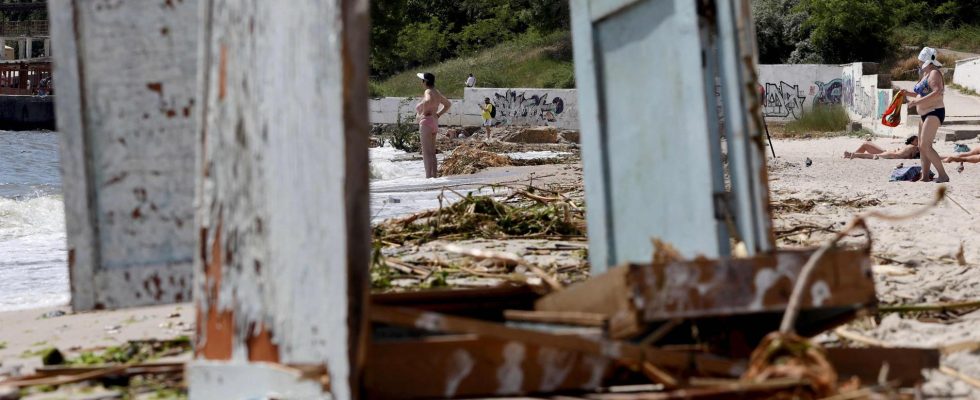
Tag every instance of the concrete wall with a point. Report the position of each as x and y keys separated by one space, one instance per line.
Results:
x=534 y=107
x=26 y=112
x=791 y=90
x=530 y=107
x=866 y=95
x=967 y=73
x=392 y=110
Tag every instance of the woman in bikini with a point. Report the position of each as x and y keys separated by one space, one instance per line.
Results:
x=871 y=150
x=427 y=113
x=927 y=98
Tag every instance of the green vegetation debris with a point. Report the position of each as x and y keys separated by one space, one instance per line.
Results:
x=485 y=217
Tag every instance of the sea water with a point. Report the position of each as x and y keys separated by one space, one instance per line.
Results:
x=33 y=256
x=33 y=259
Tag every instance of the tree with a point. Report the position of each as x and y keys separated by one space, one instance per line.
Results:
x=843 y=31
x=778 y=29
x=421 y=42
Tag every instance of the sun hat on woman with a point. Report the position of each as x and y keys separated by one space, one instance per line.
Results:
x=928 y=56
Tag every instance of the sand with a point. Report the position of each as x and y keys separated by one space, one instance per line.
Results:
x=925 y=246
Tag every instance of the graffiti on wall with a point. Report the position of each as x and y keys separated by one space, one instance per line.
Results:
x=520 y=109
x=782 y=101
x=828 y=92
x=884 y=98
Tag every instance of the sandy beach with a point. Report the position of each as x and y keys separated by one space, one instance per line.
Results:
x=917 y=258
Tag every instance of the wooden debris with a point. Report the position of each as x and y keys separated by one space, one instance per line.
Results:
x=975 y=382
x=557 y=317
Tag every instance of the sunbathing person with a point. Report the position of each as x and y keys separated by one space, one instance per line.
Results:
x=972 y=156
x=871 y=150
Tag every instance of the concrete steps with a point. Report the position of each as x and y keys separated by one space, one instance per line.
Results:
x=955 y=132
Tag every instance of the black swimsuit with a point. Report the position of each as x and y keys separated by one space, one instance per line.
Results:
x=938 y=113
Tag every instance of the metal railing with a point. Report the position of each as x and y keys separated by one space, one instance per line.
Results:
x=24 y=28
x=26 y=78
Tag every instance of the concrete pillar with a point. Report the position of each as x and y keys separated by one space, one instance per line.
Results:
x=21 y=49
x=313 y=186
x=30 y=45
x=47 y=47
x=3 y=43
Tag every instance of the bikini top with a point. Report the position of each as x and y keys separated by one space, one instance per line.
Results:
x=922 y=88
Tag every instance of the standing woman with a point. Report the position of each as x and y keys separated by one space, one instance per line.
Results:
x=427 y=113
x=928 y=100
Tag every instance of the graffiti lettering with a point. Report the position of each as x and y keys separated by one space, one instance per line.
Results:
x=518 y=109
x=783 y=100
x=828 y=93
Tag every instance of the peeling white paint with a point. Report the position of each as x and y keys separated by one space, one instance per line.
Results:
x=597 y=369
x=460 y=366
x=555 y=365
x=819 y=292
x=510 y=375
x=430 y=322
x=611 y=349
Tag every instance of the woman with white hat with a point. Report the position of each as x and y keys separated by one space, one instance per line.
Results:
x=927 y=98
x=427 y=113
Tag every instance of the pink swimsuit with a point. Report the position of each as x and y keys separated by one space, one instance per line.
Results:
x=428 y=119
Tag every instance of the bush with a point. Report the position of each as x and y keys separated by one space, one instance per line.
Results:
x=422 y=42
x=830 y=118
x=907 y=69
x=845 y=31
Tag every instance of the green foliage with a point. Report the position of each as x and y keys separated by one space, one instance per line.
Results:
x=530 y=60
x=778 y=29
x=831 y=118
x=422 y=41
x=849 y=30
x=962 y=38
x=409 y=33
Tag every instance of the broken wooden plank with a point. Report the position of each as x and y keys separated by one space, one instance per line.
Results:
x=613 y=349
x=638 y=294
x=557 y=317
x=468 y=366
x=484 y=303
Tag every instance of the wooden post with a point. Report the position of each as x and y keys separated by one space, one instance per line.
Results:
x=126 y=115
x=282 y=195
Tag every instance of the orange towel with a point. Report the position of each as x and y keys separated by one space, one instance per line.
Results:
x=893 y=114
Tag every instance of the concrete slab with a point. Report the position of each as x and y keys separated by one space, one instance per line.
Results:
x=954 y=133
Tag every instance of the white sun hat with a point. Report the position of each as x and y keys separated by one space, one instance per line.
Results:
x=928 y=56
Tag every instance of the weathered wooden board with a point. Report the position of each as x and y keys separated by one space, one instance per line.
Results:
x=648 y=135
x=283 y=187
x=458 y=366
x=126 y=112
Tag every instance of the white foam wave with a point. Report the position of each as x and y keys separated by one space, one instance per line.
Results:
x=31 y=216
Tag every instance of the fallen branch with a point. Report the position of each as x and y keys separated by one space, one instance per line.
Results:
x=793 y=308
x=511 y=258
x=961 y=376
x=859 y=338
x=930 y=307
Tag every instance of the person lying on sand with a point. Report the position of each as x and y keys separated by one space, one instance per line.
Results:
x=871 y=150
x=972 y=156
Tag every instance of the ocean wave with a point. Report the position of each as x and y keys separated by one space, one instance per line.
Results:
x=31 y=216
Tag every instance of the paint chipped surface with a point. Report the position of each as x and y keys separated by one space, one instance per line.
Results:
x=510 y=374
x=274 y=172
x=764 y=283
x=461 y=366
x=127 y=167
x=555 y=364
